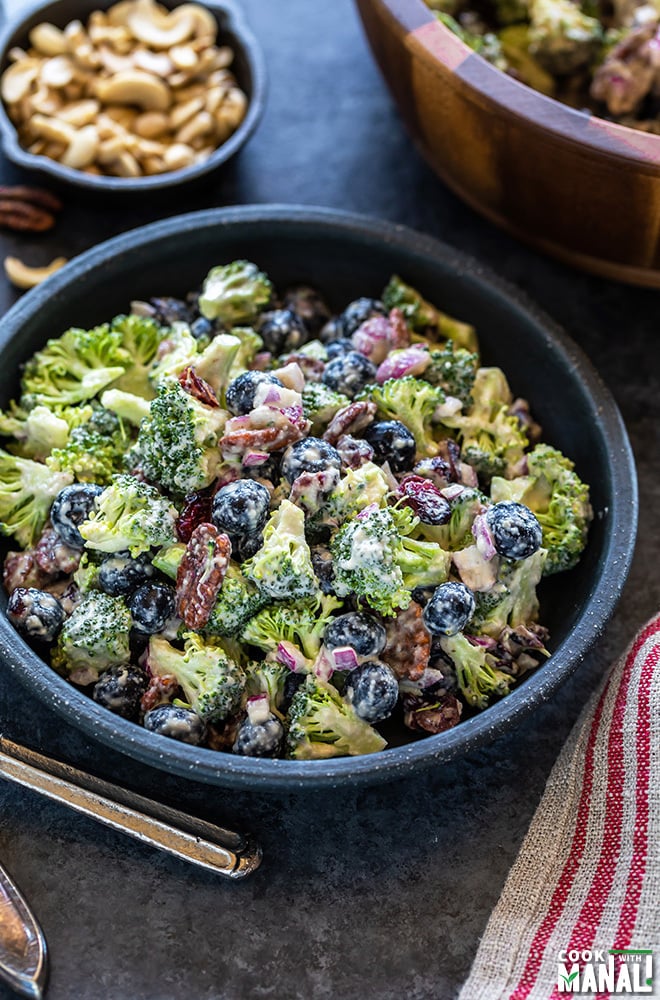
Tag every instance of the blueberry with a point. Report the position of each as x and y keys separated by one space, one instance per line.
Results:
x=393 y=443
x=243 y=548
x=449 y=609
x=240 y=392
x=120 y=573
x=308 y=305
x=372 y=690
x=169 y=310
x=35 y=613
x=349 y=373
x=71 y=507
x=240 y=509
x=281 y=330
x=152 y=605
x=309 y=455
x=202 y=328
x=337 y=348
x=291 y=685
x=323 y=568
x=332 y=330
x=516 y=532
x=358 y=312
x=176 y=722
x=358 y=630
x=120 y=690
x=263 y=739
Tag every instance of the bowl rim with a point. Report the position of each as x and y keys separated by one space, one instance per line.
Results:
x=252 y=53
x=436 y=43
x=227 y=770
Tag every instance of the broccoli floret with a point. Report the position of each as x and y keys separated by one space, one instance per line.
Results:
x=357 y=489
x=512 y=600
x=424 y=318
x=303 y=625
x=129 y=515
x=453 y=369
x=74 y=367
x=478 y=680
x=176 y=351
x=86 y=577
x=251 y=343
x=561 y=36
x=178 y=442
x=487 y=44
x=322 y=724
x=364 y=552
x=320 y=404
x=211 y=681
x=560 y=501
x=27 y=491
x=39 y=430
x=267 y=678
x=423 y=564
x=515 y=44
x=413 y=402
x=457 y=533
x=93 y=638
x=238 y=601
x=216 y=361
x=140 y=337
x=235 y=293
x=282 y=568
x=126 y=405
x=493 y=441
x=89 y=456
x=168 y=558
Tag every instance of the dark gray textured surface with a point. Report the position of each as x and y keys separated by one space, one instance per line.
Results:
x=384 y=892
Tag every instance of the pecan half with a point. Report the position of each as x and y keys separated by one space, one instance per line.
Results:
x=350 y=420
x=431 y=714
x=200 y=574
x=27 y=209
x=195 y=386
x=32 y=195
x=160 y=692
x=408 y=645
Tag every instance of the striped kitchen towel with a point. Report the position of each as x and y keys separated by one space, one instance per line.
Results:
x=580 y=911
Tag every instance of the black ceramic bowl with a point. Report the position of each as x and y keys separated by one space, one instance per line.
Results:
x=248 y=67
x=347 y=256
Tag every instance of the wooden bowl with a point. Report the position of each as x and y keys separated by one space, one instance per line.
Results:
x=582 y=189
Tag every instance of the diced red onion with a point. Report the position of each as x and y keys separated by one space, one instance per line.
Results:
x=324 y=665
x=453 y=491
x=345 y=658
x=409 y=361
x=290 y=656
x=261 y=361
x=372 y=339
x=256 y=458
x=483 y=537
x=367 y=512
x=258 y=708
x=468 y=475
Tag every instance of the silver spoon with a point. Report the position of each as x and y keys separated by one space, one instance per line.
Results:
x=23 y=954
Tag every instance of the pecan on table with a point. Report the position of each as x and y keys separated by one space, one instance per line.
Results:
x=27 y=209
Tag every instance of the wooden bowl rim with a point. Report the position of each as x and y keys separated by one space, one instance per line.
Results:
x=415 y=21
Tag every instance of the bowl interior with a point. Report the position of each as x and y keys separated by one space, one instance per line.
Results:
x=247 y=67
x=347 y=257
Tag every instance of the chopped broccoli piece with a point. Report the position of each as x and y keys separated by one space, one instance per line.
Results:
x=322 y=724
x=74 y=367
x=235 y=293
x=90 y=456
x=215 y=362
x=268 y=677
x=478 y=680
x=424 y=318
x=126 y=405
x=129 y=515
x=87 y=575
x=413 y=402
x=453 y=369
x=512 y=600
x=168 y=558
x=251 y=343
x=365 y=561
x=177 y=443
x=457 y=533
x=39 y=430
x=211 y=681
x=515 y=44
x=493 y=441
x=320 y=404
x=93 y=638
x=238 y=601
x=140 y=337
x=560 y=501
x=27 y=491
x=357 y=489
x=423 y=564
x=178 y=350
x=282 y=568
x=303 y=625
x=562 y=37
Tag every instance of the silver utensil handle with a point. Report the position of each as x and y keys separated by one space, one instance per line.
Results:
x=23 y=953
x=178 y=834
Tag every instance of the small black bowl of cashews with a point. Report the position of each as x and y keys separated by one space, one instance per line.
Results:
x=136 y=95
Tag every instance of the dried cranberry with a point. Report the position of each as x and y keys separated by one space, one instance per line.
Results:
x=196 y=510
x=426 y=500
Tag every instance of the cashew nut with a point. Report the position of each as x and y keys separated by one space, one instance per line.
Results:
x=183 y=112
x=48 y=40
x=198 y=126
x=151 y=124
x=52 y=128
x=57 y=72
x=183 y=56
x=23 y=276
x=17 y=80
x=83 y=148
x=157 y=63
x=80 y=113
x=159 y=30
x=177 y=156
x=134 y=87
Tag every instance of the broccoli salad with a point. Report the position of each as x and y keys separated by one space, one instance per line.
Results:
x=599 y=57
x=249 y=524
